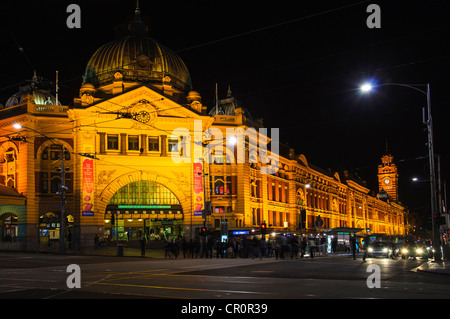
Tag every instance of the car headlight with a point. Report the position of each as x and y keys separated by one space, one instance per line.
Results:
x=370 y=249
x=385 y=250
x=404 y=251
x=419 y=250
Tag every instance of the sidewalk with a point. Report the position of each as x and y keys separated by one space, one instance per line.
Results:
x=438 y=267
x=160 y=253
x=127 y=252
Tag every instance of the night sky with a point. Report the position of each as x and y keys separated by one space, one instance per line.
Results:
x=298 y=66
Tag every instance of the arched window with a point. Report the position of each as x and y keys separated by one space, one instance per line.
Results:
x=144 y=193
x=8 y=167
x=50 y=170
x=53 y=152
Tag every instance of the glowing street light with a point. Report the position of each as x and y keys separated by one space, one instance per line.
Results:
x=366 y=87
x=427 y=120
x=232 y=140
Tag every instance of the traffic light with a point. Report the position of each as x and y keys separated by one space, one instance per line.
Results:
x=113 y=219
x=203 y=231
x=438 y=219
x=263 y=228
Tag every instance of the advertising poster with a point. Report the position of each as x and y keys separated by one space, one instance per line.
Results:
x=88 y=187
x=199 y=203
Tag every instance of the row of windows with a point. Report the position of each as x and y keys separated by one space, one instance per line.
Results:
x=134 y=143
x=276 y=219
x=221 y=185
x=219 y=222
x=160 y=144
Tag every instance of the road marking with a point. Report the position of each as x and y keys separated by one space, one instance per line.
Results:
x=179 y=288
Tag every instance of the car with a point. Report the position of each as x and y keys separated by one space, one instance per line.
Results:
x=417 y=250
x=379 y=249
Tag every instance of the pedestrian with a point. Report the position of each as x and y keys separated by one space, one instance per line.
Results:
x=284 y=246
x=95 y=241
x=142 y=241
x=256 y=248
x=334 y=245
x=303 y=245
x=230 y=252
x=353 y=246
x=263 y=247
x=197 y=247
x=276 y=248
x=210 y=246
x=366 y=247
x=218 y=248
x=240 y=246
x=312 y=246
x=168 y=249
x=184 y=247
x=294 y=247
x=235 y=248
x=191 y=248
x=246 y=247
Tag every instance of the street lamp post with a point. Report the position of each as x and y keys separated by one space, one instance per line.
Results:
x=427 y=120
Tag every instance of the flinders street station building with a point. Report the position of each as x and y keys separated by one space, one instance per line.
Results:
x=138 y=154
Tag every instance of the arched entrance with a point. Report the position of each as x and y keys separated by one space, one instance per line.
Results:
x=8 y=227
x=143 y=208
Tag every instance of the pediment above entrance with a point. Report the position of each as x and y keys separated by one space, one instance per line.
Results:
x=142 y=103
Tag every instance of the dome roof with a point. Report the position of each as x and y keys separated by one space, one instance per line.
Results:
x=38 y=89
x=138 y=58
x=228 y=105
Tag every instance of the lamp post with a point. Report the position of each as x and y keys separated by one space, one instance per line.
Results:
x=62 y=188
x=427 y=119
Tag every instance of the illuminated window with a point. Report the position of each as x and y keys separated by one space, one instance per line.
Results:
x=153 y=144
x=133 y=142
x=219 y=185
x=113 y=142
x=173 y=144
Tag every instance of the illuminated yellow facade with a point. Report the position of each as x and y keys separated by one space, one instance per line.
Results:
x=122 y=156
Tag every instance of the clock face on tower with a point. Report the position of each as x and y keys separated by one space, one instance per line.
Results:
x=388 y=176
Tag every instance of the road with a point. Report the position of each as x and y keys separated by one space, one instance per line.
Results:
x=35 y=276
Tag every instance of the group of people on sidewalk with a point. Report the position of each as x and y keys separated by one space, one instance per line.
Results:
x=282 y=247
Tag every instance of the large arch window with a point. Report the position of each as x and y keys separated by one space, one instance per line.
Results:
x=53 y=152
x=50 y=170
x=144 y=193
x=8 y=168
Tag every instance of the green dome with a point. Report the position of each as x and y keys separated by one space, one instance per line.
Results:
x=138 y=58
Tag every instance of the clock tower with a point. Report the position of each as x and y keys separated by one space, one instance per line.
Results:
x=388 y=176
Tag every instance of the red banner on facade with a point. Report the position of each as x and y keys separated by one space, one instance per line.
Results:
x=199 y=203
x=88 y=187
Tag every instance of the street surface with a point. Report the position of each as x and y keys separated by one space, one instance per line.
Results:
x=43 y=276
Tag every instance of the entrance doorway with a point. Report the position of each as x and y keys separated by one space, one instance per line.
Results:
x=143 y=208
x=8 y=226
